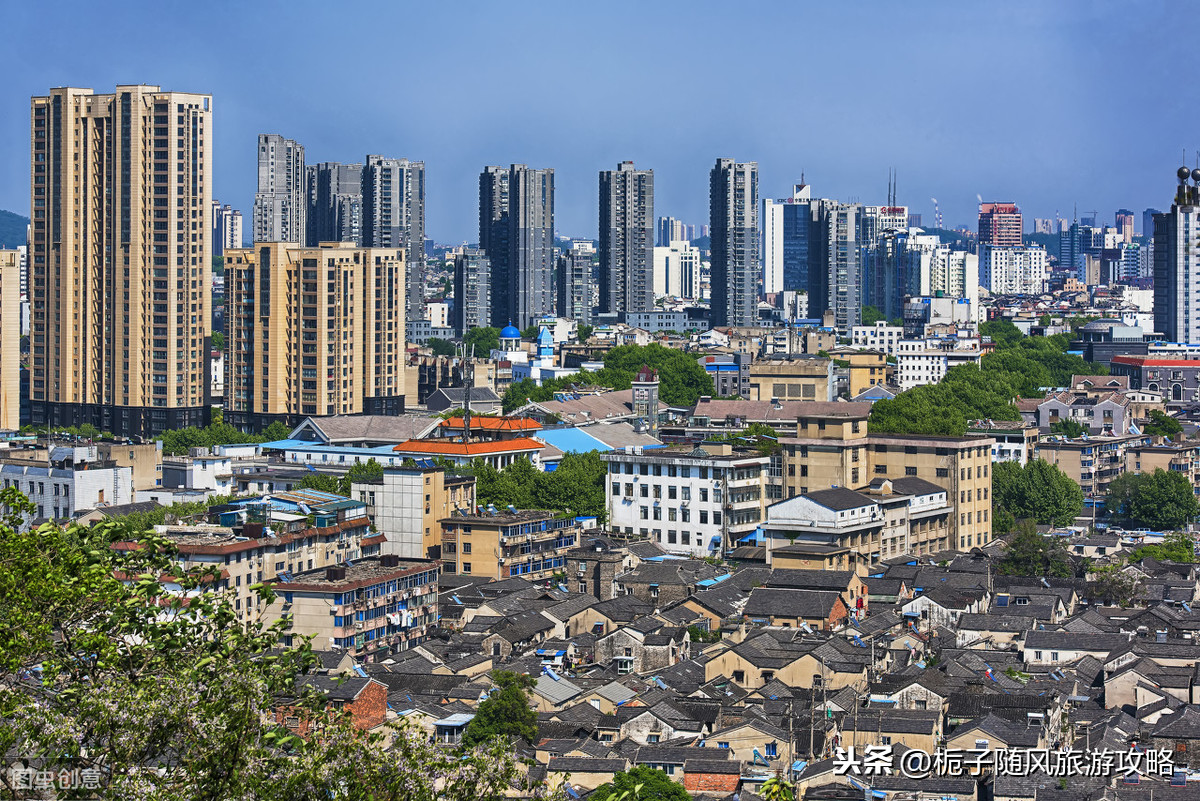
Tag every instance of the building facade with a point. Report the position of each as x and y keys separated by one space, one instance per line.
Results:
x=677 y=271
x=1013 y=270
x=626 y=239
x=575 y=286
x=120 y=291
x=393 y=216
x=497 y=544
x=1000 y=225
x=516 y=230
x=313 y=331
x=691 y=501
x=226 y=228
x=1177 y=263
x=334 y=203
x=10 y=340
x=67 y=480
x=925 y=361
x=472 y=290
x=280 y=203
x=733 y=212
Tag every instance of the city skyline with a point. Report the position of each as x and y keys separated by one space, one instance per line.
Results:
x=1048 y=158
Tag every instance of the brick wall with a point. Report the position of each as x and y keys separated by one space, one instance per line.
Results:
x=711 y=782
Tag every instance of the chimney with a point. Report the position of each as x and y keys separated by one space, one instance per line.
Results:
x=389 y=560
x=335 y=573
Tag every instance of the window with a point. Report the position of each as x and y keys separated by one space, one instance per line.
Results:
x=885 y=739
x=652 y=738
x=739 y=677
x=910 y=471
x=466 y=567
x=466 y=547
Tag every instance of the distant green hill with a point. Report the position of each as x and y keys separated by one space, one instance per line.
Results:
x=12 y=229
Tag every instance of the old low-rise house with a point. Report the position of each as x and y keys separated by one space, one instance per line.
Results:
x=641 y=647
x=793 y=608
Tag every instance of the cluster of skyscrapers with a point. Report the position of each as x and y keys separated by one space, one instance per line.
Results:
x=379 y=203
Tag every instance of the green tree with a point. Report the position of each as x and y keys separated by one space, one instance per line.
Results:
x=369 y=470
x=218 y=340
x=276 y=431
x=1068 y=428
x=1163 y=500
x=440 y=347
x=681 y=378
x=1178 y=546
x=1161 y=424
x=170 y=695
x=871 y=315
x=322 y=482
x=485 y=340
x=1113 y=587
x=530 y=332
x=584 y=332
x=642 y=783
x=1001 y=332
x=505 y=713
x=1038 y=491
x=1030 y=554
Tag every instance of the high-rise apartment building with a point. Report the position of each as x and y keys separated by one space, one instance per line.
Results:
x=1013 y=271
x=733 y=213
x=393 y=216
x=516 y=230
x=472 y=290
x=313 y=331
x=842 y=258
x=335 y=203
x=121 y=259
x=575 y=289
x=677 y=271
x=670 y=230
x=493 y=238
x=1148 y=223
x=1177 y=263
x=10 y=340
x=226 y=228
x=1000 y=225
x=280 y=204
x=626 y=239
x=1124 y=223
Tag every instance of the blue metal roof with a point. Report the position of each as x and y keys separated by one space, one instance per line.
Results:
x=572 y=440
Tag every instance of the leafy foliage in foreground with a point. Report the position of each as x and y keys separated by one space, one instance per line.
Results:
x=1163 y=500
x=1039 y=491
x=102 y=670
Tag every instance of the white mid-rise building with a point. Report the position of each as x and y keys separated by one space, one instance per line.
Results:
x=70 y=479
x=438 y=314
x=1013 y=271
x=692 y=502
x=677 y=271
x=925 y=361
x=880 y=336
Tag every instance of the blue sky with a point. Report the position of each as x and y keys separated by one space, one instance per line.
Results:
x=1048 y=104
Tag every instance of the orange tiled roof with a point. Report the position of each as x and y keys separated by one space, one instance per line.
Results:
x=494 y=423
x=441 y=447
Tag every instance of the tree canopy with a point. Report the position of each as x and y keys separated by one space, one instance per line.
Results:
x=505 y=713
x=1178 y=546
x=1020 y=366
x=369 y=470
x=1163 y=500
x=151 y=694
x=642 y=783
x=1161 y=424
x=440 y=347
x=1030 y=554
x=1038 y=491
x=485 y=340
x=179 y=441
x=681 y=378
x=576 y=486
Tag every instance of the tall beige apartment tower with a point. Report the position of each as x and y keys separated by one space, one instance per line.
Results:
x=10 y=340
x=312 y=331
x=120 y=258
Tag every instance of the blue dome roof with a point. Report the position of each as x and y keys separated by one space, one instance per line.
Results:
x=510 y=332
